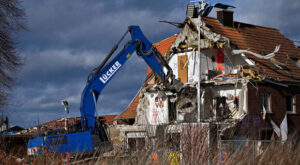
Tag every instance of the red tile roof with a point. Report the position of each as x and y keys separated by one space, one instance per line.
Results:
x=130 y=111
x=261 y=40
x=60 y=123
x=162 y=46
x=258 y=39
x=108 y=118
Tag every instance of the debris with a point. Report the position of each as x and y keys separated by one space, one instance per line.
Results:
x=186 y=105
x=250 y=72
x=295 y=60
x=266 y=57
x=284 y=129
x=278 y=64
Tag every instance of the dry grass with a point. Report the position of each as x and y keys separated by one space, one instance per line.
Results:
x=280 y=153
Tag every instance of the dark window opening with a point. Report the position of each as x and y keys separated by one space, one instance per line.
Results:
x=290 y=103
x=266 y=134
x=266 y=102
x=136 y=144
x=172 y=111
x=131 y=121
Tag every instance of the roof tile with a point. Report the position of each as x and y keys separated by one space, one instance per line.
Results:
x=261 y=40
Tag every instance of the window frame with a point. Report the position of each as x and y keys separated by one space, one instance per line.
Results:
x=269 y=108
x=293 y=104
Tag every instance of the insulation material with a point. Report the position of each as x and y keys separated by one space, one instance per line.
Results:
x=266 y=57
x=195 y=143
x=209 y=34
x=208 y=62
x=212 y=60
x=189 y=38
x=182 y=68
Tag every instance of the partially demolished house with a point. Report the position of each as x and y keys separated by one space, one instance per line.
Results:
x=250 y=85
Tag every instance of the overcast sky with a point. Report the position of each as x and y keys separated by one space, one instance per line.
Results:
x=67 y=39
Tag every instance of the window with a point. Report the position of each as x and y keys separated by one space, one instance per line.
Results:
x=266 y=108
x=290 y=103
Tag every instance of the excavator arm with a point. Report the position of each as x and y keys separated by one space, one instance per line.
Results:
x=102 y=75
x=93 y=134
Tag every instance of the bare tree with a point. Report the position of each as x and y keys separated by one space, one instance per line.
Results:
x=12 y=20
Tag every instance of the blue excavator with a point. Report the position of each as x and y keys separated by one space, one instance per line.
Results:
x=92 y=135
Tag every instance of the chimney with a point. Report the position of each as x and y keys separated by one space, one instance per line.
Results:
x=225 y=17
x=191 y=11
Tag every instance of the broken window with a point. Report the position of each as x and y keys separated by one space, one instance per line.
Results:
x=266 y=99
x=290 y=103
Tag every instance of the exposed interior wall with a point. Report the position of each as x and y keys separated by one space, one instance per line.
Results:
x=223 y=102
x=153 y=107
x=186 y=65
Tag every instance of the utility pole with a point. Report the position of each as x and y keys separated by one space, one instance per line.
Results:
x=199 y=80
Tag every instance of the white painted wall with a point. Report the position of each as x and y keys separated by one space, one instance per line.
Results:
x=231 y=63
x=158 y=111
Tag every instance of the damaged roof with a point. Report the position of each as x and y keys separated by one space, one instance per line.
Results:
x=261 y=40
x=163 y=47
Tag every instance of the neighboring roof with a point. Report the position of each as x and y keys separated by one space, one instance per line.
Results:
x=13 y=128
x=130 y=111
x=108 y=118
x=162 y=46
x=60 y=123
x=261 y=40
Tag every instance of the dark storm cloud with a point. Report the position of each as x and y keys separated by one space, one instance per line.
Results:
x=67 y=39
x=94 y=24
x=280 y=14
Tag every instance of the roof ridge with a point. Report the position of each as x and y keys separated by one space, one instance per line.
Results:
x=246 y=23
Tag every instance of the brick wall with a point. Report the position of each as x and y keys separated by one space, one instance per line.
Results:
x=277 y=101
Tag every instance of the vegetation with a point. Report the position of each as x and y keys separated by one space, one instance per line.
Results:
x=12 y=20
